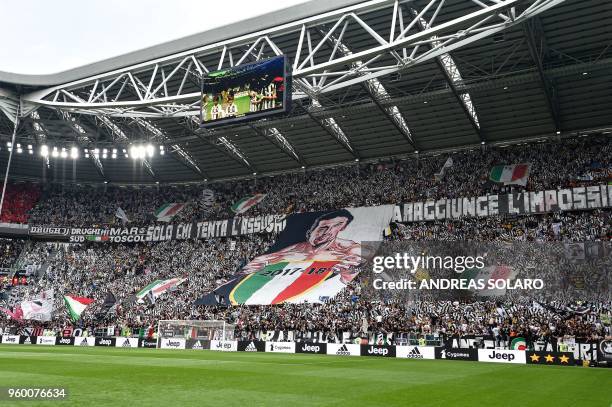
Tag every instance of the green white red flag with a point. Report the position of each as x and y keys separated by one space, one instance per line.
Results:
x=93 y=238
x=516 y=174
x=76 y=305
x=247 y=203
x=158 y=287
x=518 y=343
x=166 y=212
x=282 y=282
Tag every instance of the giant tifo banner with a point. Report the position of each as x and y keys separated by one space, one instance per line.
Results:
x=519 y=203
x=314 y=258
x=238 y=226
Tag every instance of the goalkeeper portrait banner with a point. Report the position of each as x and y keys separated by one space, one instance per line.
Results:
x=314 y=258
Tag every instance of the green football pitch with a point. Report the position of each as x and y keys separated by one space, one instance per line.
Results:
x=151 y=377
x=243 y=103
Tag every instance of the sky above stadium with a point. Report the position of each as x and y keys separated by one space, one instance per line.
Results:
x=42 y=36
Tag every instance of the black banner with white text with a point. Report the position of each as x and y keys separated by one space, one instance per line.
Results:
x=517 y=203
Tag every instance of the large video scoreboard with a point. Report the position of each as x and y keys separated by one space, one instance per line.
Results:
x=246 y=92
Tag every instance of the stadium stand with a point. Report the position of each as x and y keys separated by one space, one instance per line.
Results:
x=19 y=201
x=10 y=249
x=122 y=269
x=584 y=161
x=423 y=180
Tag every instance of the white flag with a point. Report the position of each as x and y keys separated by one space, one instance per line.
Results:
x=120 y=213
x=39 y=308
x=447 y=164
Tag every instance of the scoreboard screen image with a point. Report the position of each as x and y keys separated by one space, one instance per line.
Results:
x=245 y=92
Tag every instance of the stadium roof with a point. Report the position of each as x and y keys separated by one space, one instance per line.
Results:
x=465 y=72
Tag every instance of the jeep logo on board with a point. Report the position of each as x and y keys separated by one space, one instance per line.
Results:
x=105 y=342
x=311 y=347
x=64 y=341
x=378 y=350
x=503 y=356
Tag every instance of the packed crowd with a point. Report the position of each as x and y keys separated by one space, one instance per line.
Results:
x=568 y=226
x=10 y=250
x=19 y=200
x=560 y=164
x=420 y=318
x=94 y=270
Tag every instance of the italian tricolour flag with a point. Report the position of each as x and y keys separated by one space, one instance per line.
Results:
x=76 y=305
x=510 y=174
x=247 y=203
x=283 y=282
x=158 y=287
x=93 y=238
x=166 y=212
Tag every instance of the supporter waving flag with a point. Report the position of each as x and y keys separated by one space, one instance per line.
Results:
x=510 y=174
x=76 y=305
x=158 y=287
x=16 y=313
x=38 y=308
x=120 y=213
x=166 y=212
x=247 y=203
x=110 y=302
